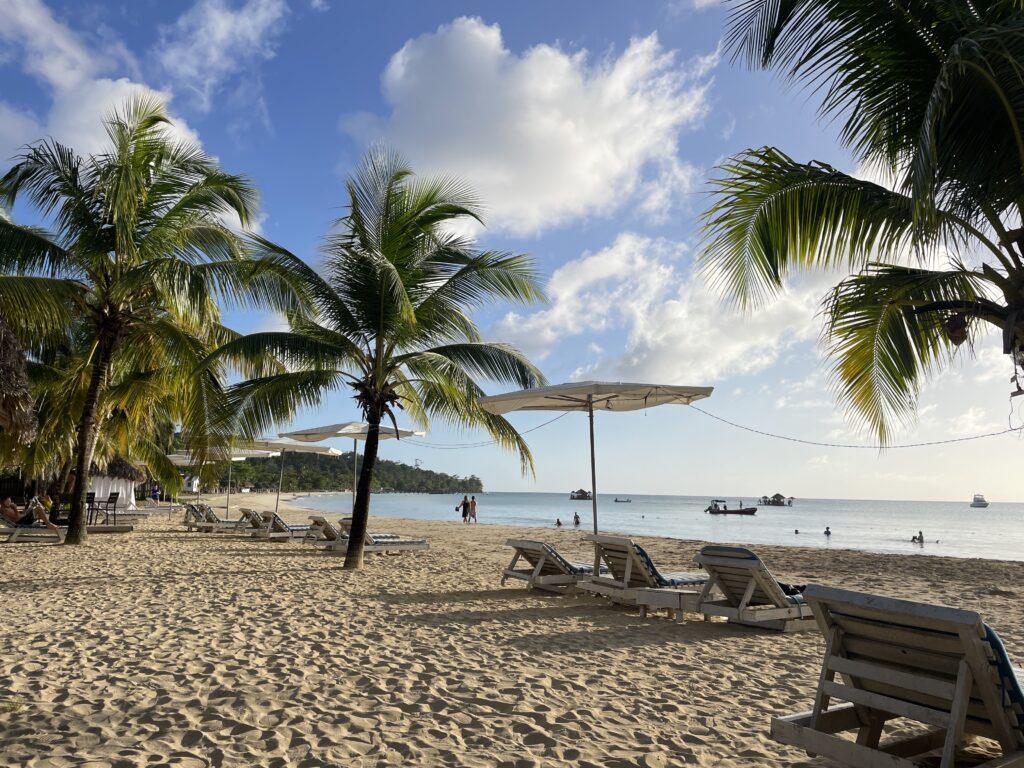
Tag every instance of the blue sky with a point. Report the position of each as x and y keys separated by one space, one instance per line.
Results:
x=589 y=129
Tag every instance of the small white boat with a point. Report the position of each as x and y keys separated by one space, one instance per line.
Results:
x=979 y=500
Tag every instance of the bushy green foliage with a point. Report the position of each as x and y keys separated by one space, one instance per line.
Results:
x=309 y=472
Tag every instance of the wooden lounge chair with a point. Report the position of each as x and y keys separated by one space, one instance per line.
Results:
x=374 y=543
x=752 y=596
x=630 y=570
x=887 y=659
x=322 y=531
x=545 y=568
x=24 y=534
x=274 y=528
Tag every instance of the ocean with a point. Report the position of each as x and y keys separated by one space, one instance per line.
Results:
x=950 y=528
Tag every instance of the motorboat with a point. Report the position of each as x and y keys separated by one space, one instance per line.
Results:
x=979 y=500
x=623 y=501
x=721 y=507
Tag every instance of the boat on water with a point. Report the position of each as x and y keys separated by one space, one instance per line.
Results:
x=979 y=500
x=721 y=507
x=580 y=495
x=623 y=501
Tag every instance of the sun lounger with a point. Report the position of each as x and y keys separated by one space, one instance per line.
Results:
x=545 y=568
x=211 y=522
x=887 y=659
x=751 y=595
x=630 y=570
x=274 y=528
x=322 y=531
x=24 y=534
x=374 y=543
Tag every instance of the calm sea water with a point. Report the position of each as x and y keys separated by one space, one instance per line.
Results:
x=950 y=528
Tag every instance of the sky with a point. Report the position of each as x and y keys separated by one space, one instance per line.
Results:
x=589 y=129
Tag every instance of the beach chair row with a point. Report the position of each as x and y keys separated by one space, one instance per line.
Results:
x=271 y=526
x=735 y=583
x=885 y=660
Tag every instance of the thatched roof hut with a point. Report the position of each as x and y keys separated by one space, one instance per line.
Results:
x=16 y=415
x=118 y=468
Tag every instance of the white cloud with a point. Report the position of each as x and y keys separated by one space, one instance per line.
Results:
x=973 y=421
x=80 y=93
x=212 y=43
x=675 y=328
x=544 y=136
x=319 y=5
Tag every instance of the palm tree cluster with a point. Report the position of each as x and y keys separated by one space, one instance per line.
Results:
x=118 y=307
x=929 y=94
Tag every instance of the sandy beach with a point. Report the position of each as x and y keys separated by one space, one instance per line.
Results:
x=162 y=647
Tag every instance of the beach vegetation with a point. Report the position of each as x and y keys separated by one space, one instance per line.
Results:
x=928 y=96
x=391 y=321
x=118 y=300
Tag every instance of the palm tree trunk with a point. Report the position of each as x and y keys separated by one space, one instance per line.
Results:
x=361 y=510
x=87 y=440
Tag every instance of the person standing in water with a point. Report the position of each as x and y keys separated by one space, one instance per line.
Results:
x=576 y=519
x=827 y=531
x=558 y=522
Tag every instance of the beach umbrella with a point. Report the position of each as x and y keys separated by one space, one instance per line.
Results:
x=356 y=430
x=590 y=396
x=236 y=455
x=288 y=446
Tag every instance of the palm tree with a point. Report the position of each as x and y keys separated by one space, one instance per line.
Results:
x=139 y=253
x=931 y=94
x=391 y=320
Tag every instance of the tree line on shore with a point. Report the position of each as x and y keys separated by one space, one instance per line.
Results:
x=309 y=472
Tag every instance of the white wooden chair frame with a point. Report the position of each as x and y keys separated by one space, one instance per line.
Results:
x=620 y=555
x=926 y=663
x=276 y=529
x=376 y=544
x=751 y=595
x=21 y=534
x=544 y=571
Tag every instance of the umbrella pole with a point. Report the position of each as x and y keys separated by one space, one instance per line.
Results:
x=227 y=503
x=355 y=455
x=280 y=479
x=593 y=480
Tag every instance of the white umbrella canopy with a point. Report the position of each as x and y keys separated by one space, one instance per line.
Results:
x=590 y=396
x=593 y=395
x=356 y=430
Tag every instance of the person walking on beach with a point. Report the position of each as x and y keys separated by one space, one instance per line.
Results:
x=464 y=506
x=472 y=508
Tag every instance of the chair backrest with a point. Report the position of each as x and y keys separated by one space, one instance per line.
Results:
x=912 y=652
x=255 y=519
x=324 y=527
x=207 y=514
x=628 y=563
x=535 y=552
x=90 y=498
x=732 y=569
x=274 y=522
x=112 y=499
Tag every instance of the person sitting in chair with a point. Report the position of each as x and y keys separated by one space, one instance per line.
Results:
x=34 y=510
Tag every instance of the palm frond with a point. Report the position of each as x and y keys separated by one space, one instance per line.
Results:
x=886 y=332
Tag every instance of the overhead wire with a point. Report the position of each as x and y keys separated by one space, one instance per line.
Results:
x=752 y=430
